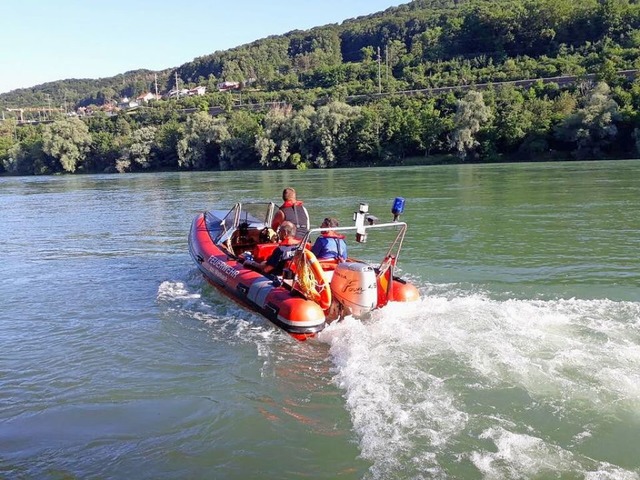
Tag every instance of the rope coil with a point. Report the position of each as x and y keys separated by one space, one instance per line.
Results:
x=310 y=280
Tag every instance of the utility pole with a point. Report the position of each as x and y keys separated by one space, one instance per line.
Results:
x=379 y=80
x=386 y=62
x=177 y=89
x=21 y=110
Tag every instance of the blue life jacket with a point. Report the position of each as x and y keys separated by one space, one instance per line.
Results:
x=329 y=247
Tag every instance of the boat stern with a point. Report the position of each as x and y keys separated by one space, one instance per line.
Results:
x=299 y=316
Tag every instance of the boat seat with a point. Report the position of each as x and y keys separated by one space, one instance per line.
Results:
x=262 y=251
x=245 y=240
x=329 y=265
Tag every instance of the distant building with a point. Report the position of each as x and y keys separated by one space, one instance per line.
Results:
x=183 y=92
x=224 y=86
x=147 y=97
x=200 y=90
x=126 y=103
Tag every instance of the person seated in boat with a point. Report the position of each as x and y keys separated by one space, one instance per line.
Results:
x=330 y=245
x=292 y=210
x=282 y=254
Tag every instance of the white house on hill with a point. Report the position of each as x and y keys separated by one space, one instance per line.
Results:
x=146 y=97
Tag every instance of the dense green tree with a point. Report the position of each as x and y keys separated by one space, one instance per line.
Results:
x=67 y=141
x=103 y=152
x=365 y=141
x=5 y=145
x=200 y=147
x=239 y=150
x=536 y=140
x=471 y=115
x=26 y=156
x=513 y=120
x=122 y=125
x=20 y=159
x=401 y=129
x=7 y=140
x=165 y=149
x=278 y=132
x=432 y=126
x=331 y=127
x=138 y=154
x=592 y=128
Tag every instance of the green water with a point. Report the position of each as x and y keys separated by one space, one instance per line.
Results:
x=521 y=360
x=553 y=230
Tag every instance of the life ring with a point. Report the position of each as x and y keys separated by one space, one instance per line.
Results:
x=322 y=292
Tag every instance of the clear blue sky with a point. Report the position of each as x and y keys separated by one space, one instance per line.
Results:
x=47 y=40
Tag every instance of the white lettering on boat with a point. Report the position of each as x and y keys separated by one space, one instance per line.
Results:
x=353 y=287
x=222 y=270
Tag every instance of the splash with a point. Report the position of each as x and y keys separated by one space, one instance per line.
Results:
x=171 y=291
x=502 y=389
x=226 y=320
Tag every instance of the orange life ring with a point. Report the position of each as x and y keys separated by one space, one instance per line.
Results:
x=323 y=289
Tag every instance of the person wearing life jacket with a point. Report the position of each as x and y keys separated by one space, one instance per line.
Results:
x=282 y=254
x=330 y=245
x=293 y=211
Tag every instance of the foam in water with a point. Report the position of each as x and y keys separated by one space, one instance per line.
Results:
x=525 y=456
x=168 y=291
x=227 y=319
x=510 y=389
x=461 y=385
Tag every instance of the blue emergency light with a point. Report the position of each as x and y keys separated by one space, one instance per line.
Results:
x=398 y=208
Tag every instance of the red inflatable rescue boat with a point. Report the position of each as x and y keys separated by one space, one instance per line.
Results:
x=310 y=293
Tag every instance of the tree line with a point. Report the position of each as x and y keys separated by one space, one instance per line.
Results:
x=312 y=76
x=542 y=122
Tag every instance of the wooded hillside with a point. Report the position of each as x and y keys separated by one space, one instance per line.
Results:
x=332 y=95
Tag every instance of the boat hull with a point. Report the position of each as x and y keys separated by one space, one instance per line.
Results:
x=300 y=317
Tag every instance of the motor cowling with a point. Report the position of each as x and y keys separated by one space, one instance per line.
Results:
x=354 y=285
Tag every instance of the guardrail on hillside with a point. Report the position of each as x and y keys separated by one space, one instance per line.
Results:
x=560 y=80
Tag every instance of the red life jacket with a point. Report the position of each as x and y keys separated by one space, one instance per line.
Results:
x=290 y=241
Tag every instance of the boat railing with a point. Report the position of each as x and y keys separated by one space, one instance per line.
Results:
x=250 y=214
x=253 y=213
x=362 y=235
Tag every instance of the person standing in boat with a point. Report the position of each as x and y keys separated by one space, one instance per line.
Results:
x=282 y=254
x=330 y=245
x=293 y=211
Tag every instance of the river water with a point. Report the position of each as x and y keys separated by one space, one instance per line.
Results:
x=522 y=360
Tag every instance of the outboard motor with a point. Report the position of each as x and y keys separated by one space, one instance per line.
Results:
x=354 y=285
